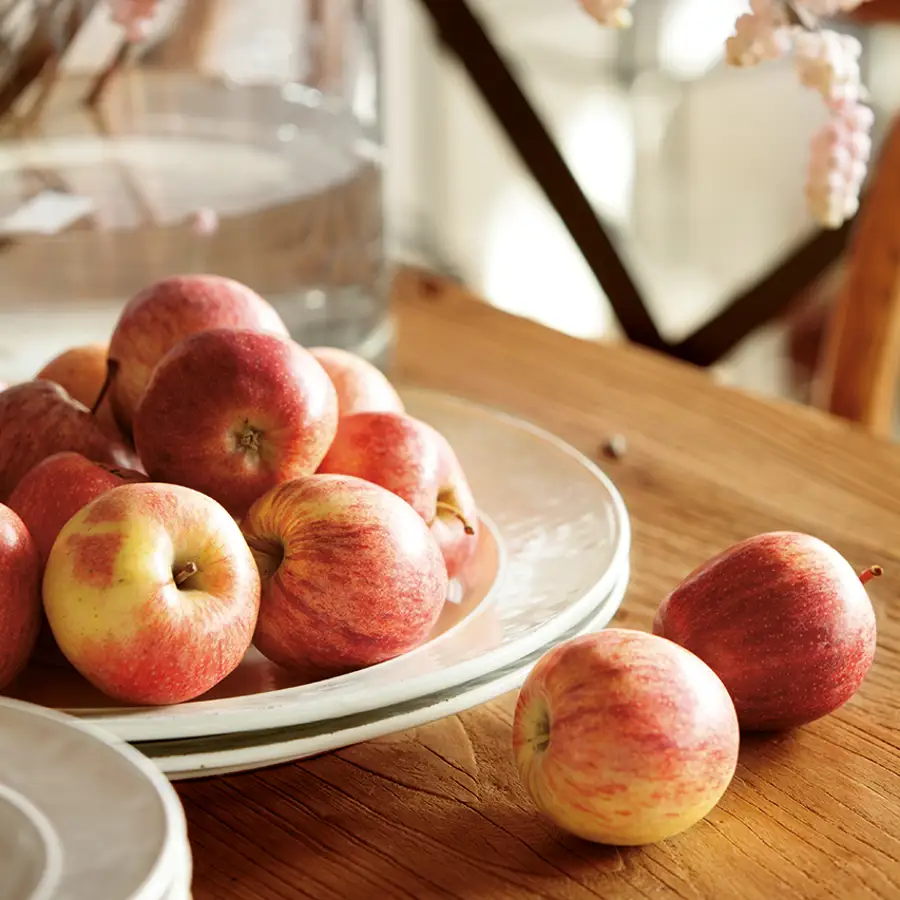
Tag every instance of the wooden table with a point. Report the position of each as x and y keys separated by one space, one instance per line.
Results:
x=438 y=812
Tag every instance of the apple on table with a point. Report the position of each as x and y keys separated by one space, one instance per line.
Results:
x=152 y=593
x=784 y=620
x=624 y=738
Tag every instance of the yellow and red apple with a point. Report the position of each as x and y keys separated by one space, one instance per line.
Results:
x=624 y=738
x=152 y=593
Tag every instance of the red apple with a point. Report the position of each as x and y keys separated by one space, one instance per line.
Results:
x=38 y=419
x=351 y=575
x=624 y=738
x=783 y=620
x=47 y=497
x=82 y=372
x=20 y=595
x=360 y=386
x=57 y=487
x=232 y=413
x=162 y=315
x=152 y=593
x=415 y=462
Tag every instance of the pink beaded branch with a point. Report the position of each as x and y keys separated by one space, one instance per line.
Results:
x=826 y=62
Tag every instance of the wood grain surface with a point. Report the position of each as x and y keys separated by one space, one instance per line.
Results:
x=438 y=812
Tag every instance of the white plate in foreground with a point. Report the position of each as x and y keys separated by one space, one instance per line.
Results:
x=556 y=541
x=89 y=817
x=224 y=754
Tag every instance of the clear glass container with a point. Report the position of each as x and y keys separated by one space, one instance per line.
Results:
x=237 y=138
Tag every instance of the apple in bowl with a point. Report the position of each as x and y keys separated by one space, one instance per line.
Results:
x=39 y=419
x=152 y=593
x=20 y=595
x=360 y=386
x=416 y=462
x=57 y=487
x=234 y=412
x=162 y=315
x=351 y=575
x=82 y=372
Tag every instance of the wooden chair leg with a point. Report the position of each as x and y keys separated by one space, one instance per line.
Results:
x=861 y=362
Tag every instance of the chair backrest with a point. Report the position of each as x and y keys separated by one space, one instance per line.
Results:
x=861 y=363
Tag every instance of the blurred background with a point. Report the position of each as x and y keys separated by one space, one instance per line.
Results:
x=306 y=147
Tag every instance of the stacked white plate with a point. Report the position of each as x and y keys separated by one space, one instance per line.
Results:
x=83 y=816
x=552 y=562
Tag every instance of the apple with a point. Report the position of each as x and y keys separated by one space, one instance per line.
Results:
x=152 y=593
x=624 y=738
x=351 y=575
x=783 y=620
x=38 y=419
x=232 y=413
x=57 y=487
x=162 y=315
x=82 y=372
x=416 y=462
x=20 y=595
x=47 y=497
x=360 y=386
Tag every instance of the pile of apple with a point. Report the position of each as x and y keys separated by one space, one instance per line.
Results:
x=204 y=483
x=625 y=737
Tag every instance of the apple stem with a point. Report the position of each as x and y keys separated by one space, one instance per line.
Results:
x=186 y=572
x=870 y=573
x=112 y=366
x=442 y=506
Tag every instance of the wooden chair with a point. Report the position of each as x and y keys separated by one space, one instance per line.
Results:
x=859 y=366
x=861 y=360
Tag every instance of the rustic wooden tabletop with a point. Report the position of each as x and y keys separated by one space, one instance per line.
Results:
x=438 y=812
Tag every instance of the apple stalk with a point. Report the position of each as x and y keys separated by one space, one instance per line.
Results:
x=112 y=367
x=870 y=573
x=443 y=506
x=188 y=570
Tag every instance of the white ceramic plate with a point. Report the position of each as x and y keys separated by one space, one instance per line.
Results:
x=89 y=816
x=223 y=754
x=556 y=540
